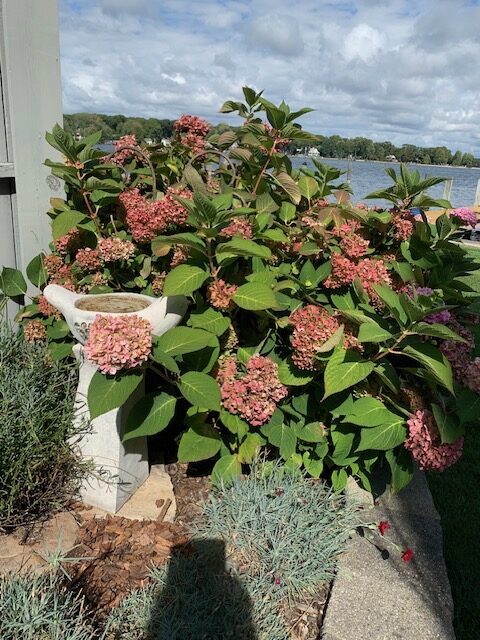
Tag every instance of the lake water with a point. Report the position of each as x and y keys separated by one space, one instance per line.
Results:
x=371 y=176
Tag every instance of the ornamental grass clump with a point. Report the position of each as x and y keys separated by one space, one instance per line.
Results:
x=39 y=470
x=344 y=305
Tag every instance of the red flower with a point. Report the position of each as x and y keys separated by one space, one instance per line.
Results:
x=407 y=555
x=383 y=527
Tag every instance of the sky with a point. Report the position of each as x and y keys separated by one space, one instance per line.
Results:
x=407 y=71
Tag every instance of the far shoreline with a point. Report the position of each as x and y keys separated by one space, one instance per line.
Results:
x=389 y=162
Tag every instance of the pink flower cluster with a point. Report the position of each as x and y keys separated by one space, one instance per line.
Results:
x=354 y=246
x=403 y=228
x=68 y=243
x=254 y=395
x=157 y=283
x=180 y=256
x=97 y=279
x=147 y=219
x=238 y=227
x=113 y=249
x=313 y=326
x=59 y=273
x=46 y=309
x=88 y=259
x=220 y=294
x=191 y=130
x=425 y=445
x=121 y=155
x=34 y=331
x=472 y=375
x=117 y=342
x=458 y=353
x=465 y=215
x=370 y=271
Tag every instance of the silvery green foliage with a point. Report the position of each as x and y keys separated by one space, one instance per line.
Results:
x=38 y=468
x=37 y=607
x=262 y=540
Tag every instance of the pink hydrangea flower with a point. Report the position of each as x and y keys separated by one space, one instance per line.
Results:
x=371 y=272
x=471 y=377
x=354 y=246
x=46 y=309
x=157 y=283
x=238 y=227
x=34 y=331
x=68 y=243
x=113 y=249
x=254 y=395
x=117 y=342
x=465 y=215
x=180 y=256
x=220 y=293
x=313 y=326
x=425 y=445
x=88 y=259
x=403 y=228
x=441 y=317
x=122 y=155
x=52 y=264
x=191 y=131
x=458 y=353
x=343 y=273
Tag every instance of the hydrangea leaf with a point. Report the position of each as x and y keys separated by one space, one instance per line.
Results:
x=149 y=415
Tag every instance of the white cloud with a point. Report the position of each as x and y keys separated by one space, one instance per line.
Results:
x=405 y=70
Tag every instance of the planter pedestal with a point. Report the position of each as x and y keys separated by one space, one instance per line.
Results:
x=119 y=468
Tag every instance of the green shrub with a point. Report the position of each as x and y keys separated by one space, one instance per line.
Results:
x=311 y=318
x=266 y=540
x=38 y=467
x=38 y=607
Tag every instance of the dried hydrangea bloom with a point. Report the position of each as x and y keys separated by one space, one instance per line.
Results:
x=88 y=259
x=465 y=215
x=118 y=342
x=180 y=256
x=343 y=272
x=191 y=131
x=34 y=331
x=403 y=228
x=158 y=282
x=313 y=326
x=254 y=395
x=371 y=272
x=113 y=249
x=425 y=445
x=121 y=155
x=68 y=243
x=354 y=246
x=52 y=264
x=471 y=376
x=238 y=227
x=220 y=294
x=458 y=353
x=47 y=309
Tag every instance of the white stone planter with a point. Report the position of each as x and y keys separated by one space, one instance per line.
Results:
x=120 y=468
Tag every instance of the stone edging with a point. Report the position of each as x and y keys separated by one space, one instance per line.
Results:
x=379 y=598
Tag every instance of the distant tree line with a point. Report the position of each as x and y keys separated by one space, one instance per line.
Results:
x=113 y=127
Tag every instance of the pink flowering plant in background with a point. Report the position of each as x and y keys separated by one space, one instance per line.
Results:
x=332 y=335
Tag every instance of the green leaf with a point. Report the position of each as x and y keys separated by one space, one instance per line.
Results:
x=401 y=466
x=255 y=297
x=149 y=415
x=109 y=392
x=265 y=203
x=184 y=280
x=449 y=427
x=288 y=211
x=369 y=412
x=437 y=331
x=183 y=239
x=468 y=406
x=289 y=185
x=292 y=376
x=200 y=442
x=373 y=332
x=388 y=376
x=60 y=350
x=243 y=247
x=225 y=470
x=180 y=340
x=200 y=390
x=65 y=222
x=250 y=447
x=312 y=464
x=234 y=424
x=308 y=187
x=346 y=373
x=384 y=437
x=36 y=272
x=59 y=329
x=312 y=432
x=211 y=321
x=392 y=301
x=283 y=437
x=12 y=282
x=434 y=361
x=162 y=358
x=339 y=479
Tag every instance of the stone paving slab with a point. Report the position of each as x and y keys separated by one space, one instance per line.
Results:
x=376 y=596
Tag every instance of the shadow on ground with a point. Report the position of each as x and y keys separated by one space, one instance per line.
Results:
x=201 y=600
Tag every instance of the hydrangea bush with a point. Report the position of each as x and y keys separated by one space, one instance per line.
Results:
x=332 y=335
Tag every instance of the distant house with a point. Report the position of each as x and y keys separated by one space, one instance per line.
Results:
x=313 y=151
x=391 y=158
x=166 y=142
